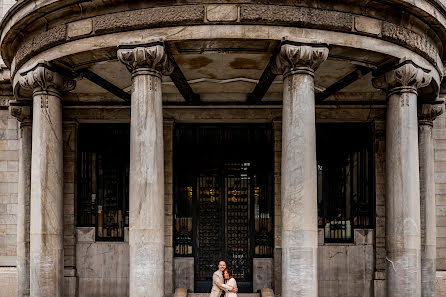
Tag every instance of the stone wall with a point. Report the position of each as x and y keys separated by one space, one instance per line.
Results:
x=9 y=145
x=345 y=270
x=168 y=208
x=355 y=260
x=69 y=168
x=379 y=148
x=102 y=267
x=440 y=180
x=5 y=6
x=277 y=272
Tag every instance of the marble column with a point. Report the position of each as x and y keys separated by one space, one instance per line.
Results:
x=46 y=226
x=403 y=239
x=427 y=114
x=297 y=63
x=23 y=114
x=146 y=198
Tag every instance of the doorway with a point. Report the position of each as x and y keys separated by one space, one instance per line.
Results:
x=223 y=198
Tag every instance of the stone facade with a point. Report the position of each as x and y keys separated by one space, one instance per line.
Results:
x=8 y=210
x=439 y=139
x=277 y=62
x=331 y=257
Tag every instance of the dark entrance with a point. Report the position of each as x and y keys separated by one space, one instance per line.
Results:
x=223 y=179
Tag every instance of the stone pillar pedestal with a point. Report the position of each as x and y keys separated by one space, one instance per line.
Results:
x=46 y=227
x=297 y=63
x=403 y=243
x=427 y=114
x=23 y=114
x=146 y=224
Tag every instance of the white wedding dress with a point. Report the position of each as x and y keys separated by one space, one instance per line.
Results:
x=231 y=284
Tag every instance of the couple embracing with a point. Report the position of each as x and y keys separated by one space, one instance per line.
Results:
x=223 y=284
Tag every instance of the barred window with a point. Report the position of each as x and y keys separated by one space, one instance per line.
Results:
x=345 y=180
x=103 y=179
x=223 y=192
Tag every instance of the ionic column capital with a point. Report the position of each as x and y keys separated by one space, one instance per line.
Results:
x=405 y=77
x=430 y=111
x=22 y=113
x=149 y=59
x=42 y=78
x=293 y=59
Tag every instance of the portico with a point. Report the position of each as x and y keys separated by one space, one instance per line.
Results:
x=363 y=216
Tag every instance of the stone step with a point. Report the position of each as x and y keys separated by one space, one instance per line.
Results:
x=238 y=295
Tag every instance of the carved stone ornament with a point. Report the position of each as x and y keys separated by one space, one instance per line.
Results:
x=142 y=58
x=429 y=112
x=43 y=78
x=21 y=112
x=295 y=57
x=406 y=77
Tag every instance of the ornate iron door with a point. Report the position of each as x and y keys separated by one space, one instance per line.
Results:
x=210 y=227
x=224 y=226
x=238 y=227
x=223 y=206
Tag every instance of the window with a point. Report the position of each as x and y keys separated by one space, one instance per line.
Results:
x=223 y=192
x=345 y=180
x=103 y=179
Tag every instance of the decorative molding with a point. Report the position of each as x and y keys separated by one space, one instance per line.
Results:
x=308 y=17
x=292 y=58
x=149 y=18
x=405 y=77
x=40 y=42
x=430 y=111
x=42 y=78
x=22 y=113
x=145 y=59
x=225 y=81
x=185 y=15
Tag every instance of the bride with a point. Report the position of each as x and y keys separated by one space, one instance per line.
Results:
x=229 y=285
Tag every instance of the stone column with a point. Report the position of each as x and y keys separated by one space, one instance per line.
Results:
x=146 y=226
x=297 y=63
x=427 y=114
x=46 y=230
x=403 y=262
x=23 y=115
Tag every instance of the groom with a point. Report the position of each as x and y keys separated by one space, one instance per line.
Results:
x=217 y=278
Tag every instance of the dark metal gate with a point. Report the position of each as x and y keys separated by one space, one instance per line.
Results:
x=217 y=172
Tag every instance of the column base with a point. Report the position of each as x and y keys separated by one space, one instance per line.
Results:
x=379 y=288
x=441 y=283
x=70 y=286
x=8 y=279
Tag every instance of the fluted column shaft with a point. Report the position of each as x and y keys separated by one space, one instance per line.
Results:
x=428 y=113
x=297 y=63
x=403 y=266
x=146 y=224
x=23 y=115
x=46 y=227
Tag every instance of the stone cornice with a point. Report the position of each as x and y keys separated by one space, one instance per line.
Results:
x=292 y=58
x=42 y=78
x=145 y=59
x=249 y=14
x=405 y=77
